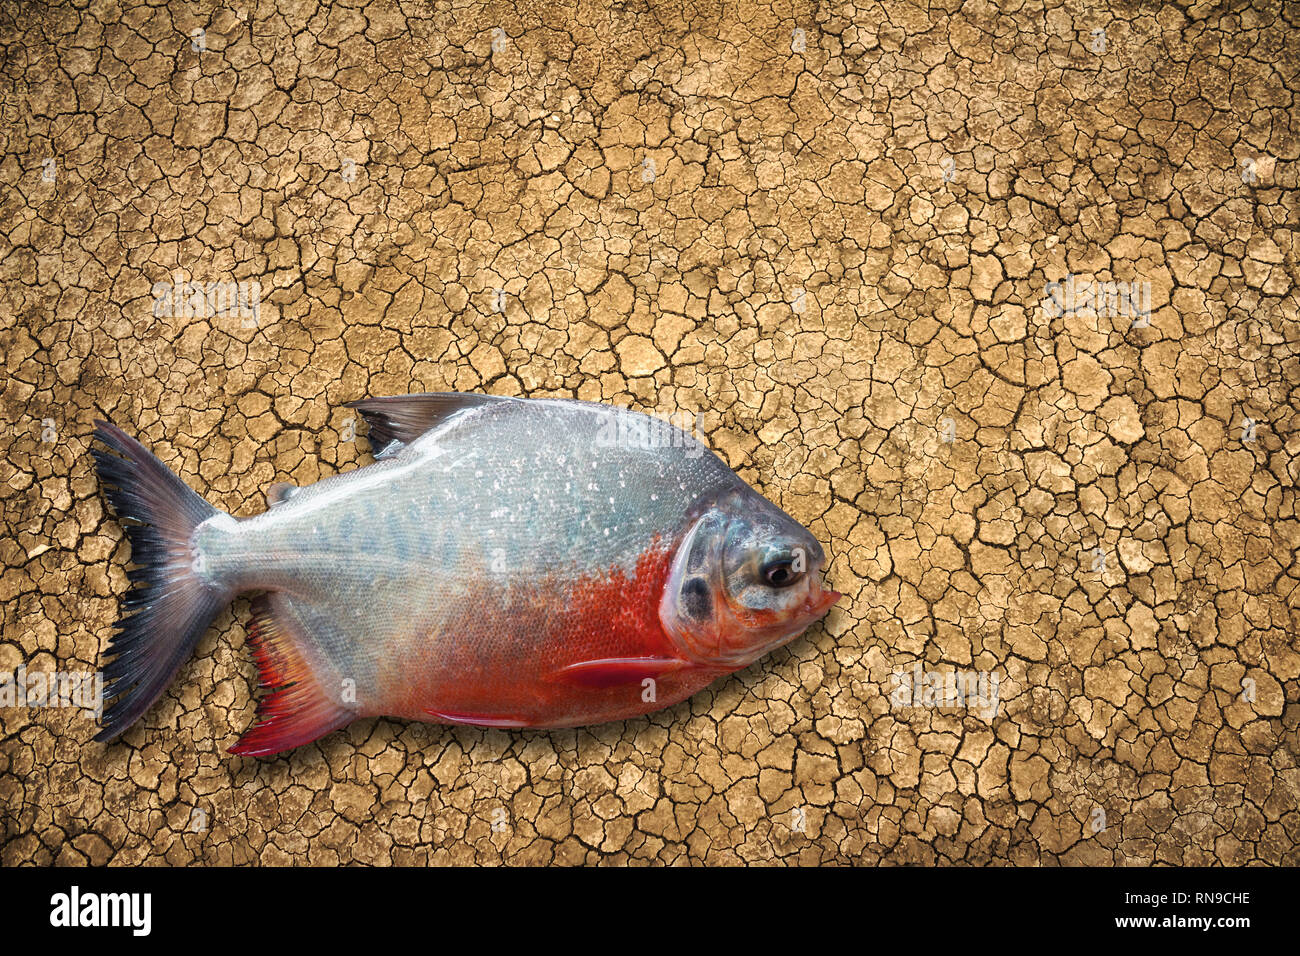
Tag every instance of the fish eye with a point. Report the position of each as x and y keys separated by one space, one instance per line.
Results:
x=780 y=573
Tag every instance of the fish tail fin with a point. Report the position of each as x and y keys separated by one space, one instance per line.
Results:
x=173 y=601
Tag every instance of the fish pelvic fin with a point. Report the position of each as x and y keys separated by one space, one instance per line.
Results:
x=297 y=709
x=479 y=720
x=173 y=600
x=396 y=420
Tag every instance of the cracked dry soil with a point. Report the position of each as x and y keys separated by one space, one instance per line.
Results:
x=826 y=227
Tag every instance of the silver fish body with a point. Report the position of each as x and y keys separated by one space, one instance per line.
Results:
x=507 y=562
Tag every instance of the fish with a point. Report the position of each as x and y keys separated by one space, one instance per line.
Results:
x=503 y=562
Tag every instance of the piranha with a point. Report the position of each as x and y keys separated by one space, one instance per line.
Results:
x=504 y=562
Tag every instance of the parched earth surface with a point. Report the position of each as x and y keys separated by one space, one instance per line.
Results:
x=830 y=230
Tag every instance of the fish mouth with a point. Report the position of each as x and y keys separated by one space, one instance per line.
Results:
x=819 y=601
x=815 y=606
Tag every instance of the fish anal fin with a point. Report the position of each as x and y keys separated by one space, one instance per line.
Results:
x=612 y=671
x=295 y=710
x=396 y=420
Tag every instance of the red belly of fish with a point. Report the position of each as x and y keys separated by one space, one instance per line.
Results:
x=581 y=651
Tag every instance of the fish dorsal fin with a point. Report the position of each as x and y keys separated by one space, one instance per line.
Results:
x=280 y=492
x=397 y=420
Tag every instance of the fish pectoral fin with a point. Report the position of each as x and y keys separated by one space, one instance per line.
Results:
x=612 y=671
x=297 y=710
x=477 y=720
x=397 y=420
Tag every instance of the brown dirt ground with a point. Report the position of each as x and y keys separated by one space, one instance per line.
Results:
x=653 y=185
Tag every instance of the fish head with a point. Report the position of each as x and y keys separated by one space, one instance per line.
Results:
x=745 y=579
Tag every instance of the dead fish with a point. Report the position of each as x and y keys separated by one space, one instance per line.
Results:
x=504 y=562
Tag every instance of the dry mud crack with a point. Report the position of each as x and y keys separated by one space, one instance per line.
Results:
x=830 y=229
